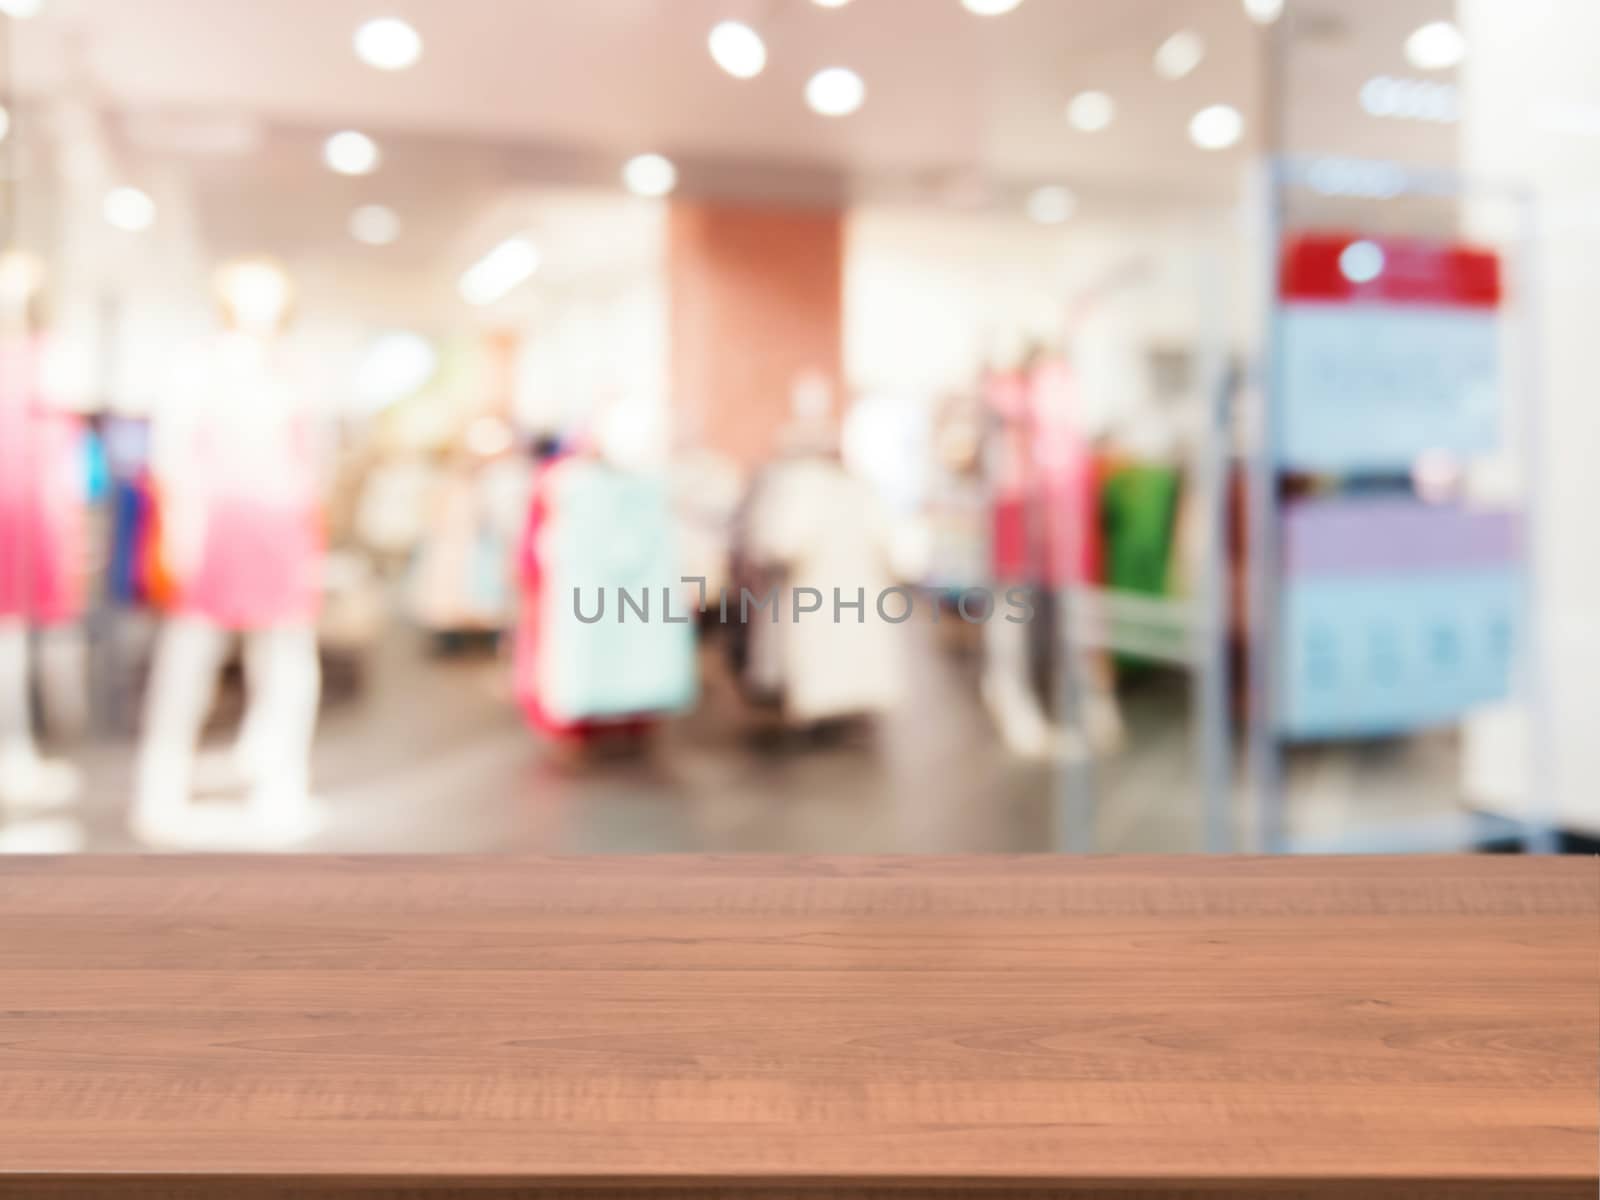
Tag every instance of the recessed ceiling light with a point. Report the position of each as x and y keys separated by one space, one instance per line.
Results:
x=1411 y=99
x=989 y=8
x=737 y=49
x=375 y=225
x=1216 y=127
x=835 y=92
x=1180 y=54
x=5 y=122
x=1051 y=205
x=1361 y=262
x=351 y=153
x=830 y=3
x=1355 y=177
x=388 y=43
x=1263 y=12
x=395 y=365
x=649 y=175
x=21 y=9
x=129 y=209
x=495 y=274
x=1091 y=111
x=1436 y=46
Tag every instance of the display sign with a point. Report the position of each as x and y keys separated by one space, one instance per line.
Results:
x=1397 y=615
x=1390 y=349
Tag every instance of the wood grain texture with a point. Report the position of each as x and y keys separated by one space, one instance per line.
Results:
x=178 y=1028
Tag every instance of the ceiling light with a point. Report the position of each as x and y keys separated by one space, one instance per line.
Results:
x=1361 y=262
x=375 y=225
x=649 y=175
x=1355 y=177
x=1180 y=54
x=1051 y=205
x=835 y=92
x=989 y=8
x=1411 y=99
x=351 y=153
x=1436 y=46
x=388 y=43
x=21 y=9
x=495 y=274
x=1263 y=12
x=737 y=49
x=129 y=209
x=1216 y=127
x=5 y=122
x=395 y=365
x=830 y=3
x=1091 y=111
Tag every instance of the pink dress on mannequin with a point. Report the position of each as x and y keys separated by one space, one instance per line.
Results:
x=42 y=486
x=260 y=549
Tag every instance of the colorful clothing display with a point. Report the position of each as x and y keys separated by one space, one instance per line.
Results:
x=134 y=575
x=1139 y=512
x=43 y=485
x=601 y=541
x=1044 y=484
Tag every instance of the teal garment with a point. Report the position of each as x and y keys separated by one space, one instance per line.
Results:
x=610 y=533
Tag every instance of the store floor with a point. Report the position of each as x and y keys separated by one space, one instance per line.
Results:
x=430 y=755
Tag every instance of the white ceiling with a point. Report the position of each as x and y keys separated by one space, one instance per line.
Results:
x=946 y=91
x=512 y=97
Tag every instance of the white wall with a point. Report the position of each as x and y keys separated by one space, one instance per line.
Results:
x=932 y=296
x=1531 y=111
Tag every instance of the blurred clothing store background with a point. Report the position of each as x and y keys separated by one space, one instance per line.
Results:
x=922 y=426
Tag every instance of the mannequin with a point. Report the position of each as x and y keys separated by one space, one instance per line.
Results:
x=237 y=478
x=42 y=498
x=818 y=526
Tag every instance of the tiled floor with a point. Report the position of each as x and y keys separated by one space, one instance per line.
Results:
x=431 y=756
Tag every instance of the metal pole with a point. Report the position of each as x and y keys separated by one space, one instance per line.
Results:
x=1264 y=749
x=1542 y=815
x=1211 y=626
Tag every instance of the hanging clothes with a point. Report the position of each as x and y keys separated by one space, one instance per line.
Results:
x=597 y=534
x=462 y=580
x=826 y=531
x=1139 y=504
x=136 y=575
x=43 y=490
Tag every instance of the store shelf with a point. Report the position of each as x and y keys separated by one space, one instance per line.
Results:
x=386 y=1026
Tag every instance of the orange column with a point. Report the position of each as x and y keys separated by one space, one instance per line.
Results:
x=755 y=298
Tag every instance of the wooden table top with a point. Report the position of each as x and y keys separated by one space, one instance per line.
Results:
x=225 y=1027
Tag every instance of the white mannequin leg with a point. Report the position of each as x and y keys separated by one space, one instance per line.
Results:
x=64 y=679
x=16 y=727
x=1008 y=691
x=183 y=679
x=26 y=779
x=284 y=679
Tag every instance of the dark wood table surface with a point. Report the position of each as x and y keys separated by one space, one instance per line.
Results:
x=498 y=1027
